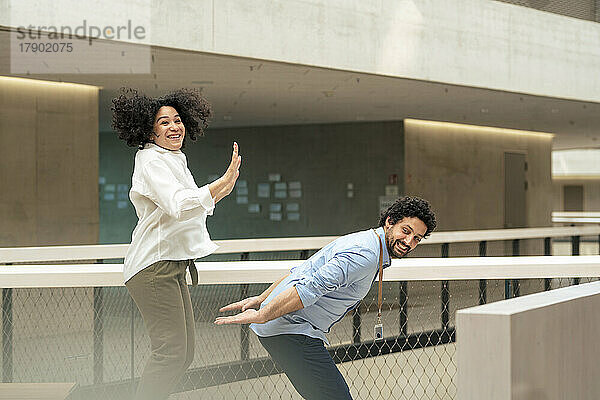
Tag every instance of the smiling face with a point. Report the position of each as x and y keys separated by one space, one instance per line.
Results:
x=403 y=236
x=168 y=129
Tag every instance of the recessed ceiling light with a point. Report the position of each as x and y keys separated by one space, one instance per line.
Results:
x=478 y=128
x=29 y=81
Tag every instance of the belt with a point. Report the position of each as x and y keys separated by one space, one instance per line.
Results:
x=193 y=272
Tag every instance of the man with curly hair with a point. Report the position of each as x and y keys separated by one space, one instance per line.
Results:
x=292 y=317
x=171 y=230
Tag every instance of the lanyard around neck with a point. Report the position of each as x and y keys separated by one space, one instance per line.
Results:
x=380 y=294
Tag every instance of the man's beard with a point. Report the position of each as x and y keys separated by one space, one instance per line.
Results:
x=391 y=246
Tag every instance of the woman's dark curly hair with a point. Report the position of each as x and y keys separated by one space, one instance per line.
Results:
x=134 y=113
x=410 y=206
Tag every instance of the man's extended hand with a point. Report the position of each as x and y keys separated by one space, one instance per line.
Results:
x=243 y=305
x=247 y=317
x=285 y=302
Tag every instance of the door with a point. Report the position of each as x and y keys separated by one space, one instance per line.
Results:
x=573 y=198
x=515 y=186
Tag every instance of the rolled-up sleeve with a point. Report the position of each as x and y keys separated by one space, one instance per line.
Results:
x=342 y=270
x=172 y=197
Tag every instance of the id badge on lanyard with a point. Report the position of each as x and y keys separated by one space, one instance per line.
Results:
x=378 y=328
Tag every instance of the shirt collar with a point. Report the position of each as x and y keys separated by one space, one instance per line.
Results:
x=386 y=256
x=159 y=149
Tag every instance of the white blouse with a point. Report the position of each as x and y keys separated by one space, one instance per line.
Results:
x=171 y=211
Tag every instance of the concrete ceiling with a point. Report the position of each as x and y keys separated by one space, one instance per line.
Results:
x=247 y=92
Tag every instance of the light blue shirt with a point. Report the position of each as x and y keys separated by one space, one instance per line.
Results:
x=330 y=283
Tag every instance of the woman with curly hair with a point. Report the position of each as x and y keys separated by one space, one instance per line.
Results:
x=171 y=230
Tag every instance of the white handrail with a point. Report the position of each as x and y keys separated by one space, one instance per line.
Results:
x=237 y=272
x=112 y=251
x=576 y=217
x=582 y=214
x=511 y=234
x=573 y=220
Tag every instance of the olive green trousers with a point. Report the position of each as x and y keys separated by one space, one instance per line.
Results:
x=162 y=296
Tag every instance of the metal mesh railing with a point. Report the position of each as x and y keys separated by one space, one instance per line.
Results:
x=96 y=338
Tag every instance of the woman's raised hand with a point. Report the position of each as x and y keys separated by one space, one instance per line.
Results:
x=225 y=184
x=232 y=173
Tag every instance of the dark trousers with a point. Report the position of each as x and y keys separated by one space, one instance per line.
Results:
x=308 y=365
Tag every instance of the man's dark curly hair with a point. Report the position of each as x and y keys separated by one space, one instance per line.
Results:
x=134 y=113
x=410 y=206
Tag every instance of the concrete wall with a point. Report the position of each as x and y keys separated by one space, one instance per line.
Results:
x=49 y=163
x=539 y=346
x=324 y=159
x=460 y=170
x=478 y=43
